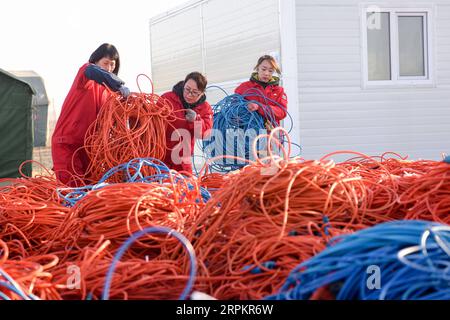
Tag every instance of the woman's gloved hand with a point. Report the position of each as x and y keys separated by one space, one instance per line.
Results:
x=191 y=115
x=124 y=91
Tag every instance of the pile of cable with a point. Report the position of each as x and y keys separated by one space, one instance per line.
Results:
x=117 y=211
x=403 y=260
x=30 y=211
x=419 y=188
x=267 y=217
x=212 y=182
x=134 y=172
x=262 y=221
x=246 y=258
x=26 y=278
x=126 y=129
x=104 y=273
x=427 y=197
x=274 y=199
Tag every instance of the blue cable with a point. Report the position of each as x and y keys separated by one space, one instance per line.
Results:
x=270 y=265
x=132 y=172
x=236 y=128
x=13 y=286
x=270 y=115
x=220 y=88
x=413 y=258
x=232 y=118
x=14 y=289
x=3 y=296
x=154 y=230
x=447 y=159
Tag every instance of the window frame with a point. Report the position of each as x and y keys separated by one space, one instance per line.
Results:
x=397 y=80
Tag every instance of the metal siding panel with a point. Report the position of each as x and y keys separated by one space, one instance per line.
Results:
x=337 y=114
x=176 y=48
x=237 y=32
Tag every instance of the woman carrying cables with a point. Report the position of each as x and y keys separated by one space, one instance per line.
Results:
x=194 y=119
x=266 y=97
x=264 y=93
x=88 y=93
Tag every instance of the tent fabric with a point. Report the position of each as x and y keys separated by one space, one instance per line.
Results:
x=40 y=105
x=40 y=97
x=16 y=129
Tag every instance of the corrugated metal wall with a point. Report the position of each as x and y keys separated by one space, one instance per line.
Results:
x=176 y=48
x=223 y=39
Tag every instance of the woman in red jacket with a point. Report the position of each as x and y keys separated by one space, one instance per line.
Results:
x=265 y=89
x=80 y=109
x=194 y=119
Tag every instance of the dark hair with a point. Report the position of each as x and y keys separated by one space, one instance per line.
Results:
x=271 y=60
x=106 y=50
x=199 y=79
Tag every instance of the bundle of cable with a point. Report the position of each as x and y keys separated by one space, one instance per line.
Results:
x=419 y=188
x=37 y=188
x=247 y=259
x=278 y=204
x=29 y=213
x=27 y=278
x=104 y=276
x=267 y=222
x=134 y=172
x=125 y=130
x=402 y=260
x=292 y=194
x=379 y=197
x=116 y=211
x=234 y=130
x=427 y=198
x=213 y=182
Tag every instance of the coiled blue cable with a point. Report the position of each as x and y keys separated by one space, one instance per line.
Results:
x=413 y=258
x=154 y=230
x=235 y=128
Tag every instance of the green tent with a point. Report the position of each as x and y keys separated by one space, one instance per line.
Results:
x=40 y=105
x=16 y=129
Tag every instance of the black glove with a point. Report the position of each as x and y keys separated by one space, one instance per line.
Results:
x=124 y=91
x=191 y=115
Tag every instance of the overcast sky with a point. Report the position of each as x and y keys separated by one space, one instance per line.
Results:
x=54 y=38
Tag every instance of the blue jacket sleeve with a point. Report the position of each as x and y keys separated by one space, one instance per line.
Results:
x=101 y=76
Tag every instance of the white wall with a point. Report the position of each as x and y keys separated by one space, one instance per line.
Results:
x=336 y=113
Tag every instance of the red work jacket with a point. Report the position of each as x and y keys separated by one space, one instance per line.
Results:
x=254 y=91
x=181 y=134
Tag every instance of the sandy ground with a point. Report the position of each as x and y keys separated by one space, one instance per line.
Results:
x=44 y=157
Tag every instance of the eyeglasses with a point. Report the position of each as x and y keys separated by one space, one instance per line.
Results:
x=194 y=94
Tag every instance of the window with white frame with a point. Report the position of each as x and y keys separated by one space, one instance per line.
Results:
x=396 y=46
